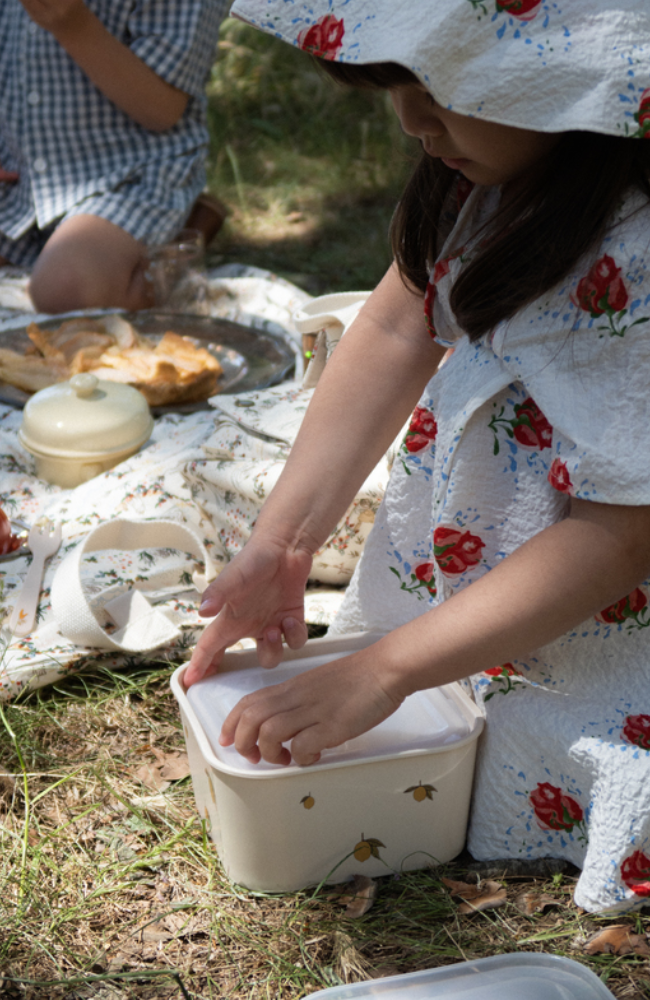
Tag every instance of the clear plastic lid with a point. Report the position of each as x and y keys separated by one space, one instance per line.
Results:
x=522 y=976
x=426 y=720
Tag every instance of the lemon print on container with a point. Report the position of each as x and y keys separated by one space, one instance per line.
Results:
x=308 y=801
x=421 y=792
x=368 y=847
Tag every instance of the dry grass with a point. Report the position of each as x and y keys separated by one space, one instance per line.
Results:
x=110 y=888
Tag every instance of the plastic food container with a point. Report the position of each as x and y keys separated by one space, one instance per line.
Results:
x=77 y=429
x=522 y=976
x=394 y=799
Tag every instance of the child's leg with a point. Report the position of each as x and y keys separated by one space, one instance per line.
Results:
x=89 y=262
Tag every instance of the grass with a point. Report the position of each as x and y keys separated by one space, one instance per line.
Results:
x=111 y=889
x=109 y=885
x=305 y=166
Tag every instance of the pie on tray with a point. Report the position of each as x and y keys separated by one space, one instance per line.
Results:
x=172 y=371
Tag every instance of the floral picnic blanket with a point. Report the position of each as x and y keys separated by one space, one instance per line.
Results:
x=210 y=470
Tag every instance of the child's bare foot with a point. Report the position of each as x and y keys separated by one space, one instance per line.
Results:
x=208 y=215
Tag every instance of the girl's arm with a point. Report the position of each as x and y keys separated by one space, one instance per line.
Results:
x=120 y=75
x=369 y=387
x=560 y=578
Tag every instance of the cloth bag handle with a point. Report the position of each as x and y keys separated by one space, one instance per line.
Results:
x=141 y=627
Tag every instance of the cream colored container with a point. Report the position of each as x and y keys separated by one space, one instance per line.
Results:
x=394 y=799
x=77 y=429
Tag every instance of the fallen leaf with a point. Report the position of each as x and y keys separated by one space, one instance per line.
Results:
x=484 y=896
x=361 y=897
x=173 y=766
x=533 y=902
x=617 y=939
x=150 y=776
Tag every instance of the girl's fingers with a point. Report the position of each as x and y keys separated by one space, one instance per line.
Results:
x=269 y=648
x=295 y=632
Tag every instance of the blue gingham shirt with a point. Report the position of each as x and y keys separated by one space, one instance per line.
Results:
x=68 y=141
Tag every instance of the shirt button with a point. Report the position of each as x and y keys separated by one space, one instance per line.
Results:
x=32 y=27
x=34 y=97
x=40 y=165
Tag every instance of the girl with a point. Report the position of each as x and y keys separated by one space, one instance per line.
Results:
x=521 y=243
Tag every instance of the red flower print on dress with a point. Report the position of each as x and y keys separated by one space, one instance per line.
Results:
x=529 y=427
x=502 y=677
x=602 y=292
x=422 y=430
x=558 y=477
x=602 y=289
x=523 y=10
x=421 y=579
x=635 y=873
x=456 y=551
x=553 y=809
x=324 y=38
x=440 y=269
x=505 y=670
x=636 y=730
x=629 y=608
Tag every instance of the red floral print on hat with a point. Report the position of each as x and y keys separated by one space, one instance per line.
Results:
x=643 y=116
x=523 y=10
x=636 y=730
x=635 y=873
x=456 y=551
x=324 y=38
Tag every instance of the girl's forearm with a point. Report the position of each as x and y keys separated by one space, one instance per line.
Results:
x=114 y=69
x=557 y=580
x=367 y=391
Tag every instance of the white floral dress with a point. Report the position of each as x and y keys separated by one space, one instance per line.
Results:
x=552 y=404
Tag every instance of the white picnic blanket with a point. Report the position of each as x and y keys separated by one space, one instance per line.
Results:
x=209 y=470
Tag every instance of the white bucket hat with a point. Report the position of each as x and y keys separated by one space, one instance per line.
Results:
x=535 y=64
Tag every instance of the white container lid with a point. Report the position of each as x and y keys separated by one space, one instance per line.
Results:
x=522 y=976
x=86 y=417
x=426 y=720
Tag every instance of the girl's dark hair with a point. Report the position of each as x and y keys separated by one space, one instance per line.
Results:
x=557 y=215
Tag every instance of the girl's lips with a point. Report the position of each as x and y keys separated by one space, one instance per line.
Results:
x=454 y=164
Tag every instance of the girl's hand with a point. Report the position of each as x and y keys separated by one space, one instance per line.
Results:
x=8 y=176
x=319 y=709
x=259 y=595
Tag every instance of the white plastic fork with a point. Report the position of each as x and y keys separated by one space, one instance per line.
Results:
x=43 y=541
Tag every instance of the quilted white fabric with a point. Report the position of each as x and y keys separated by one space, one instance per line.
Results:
x=549 y=406
x=537 y=64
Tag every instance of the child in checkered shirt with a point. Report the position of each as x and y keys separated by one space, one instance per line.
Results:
x=102 y=140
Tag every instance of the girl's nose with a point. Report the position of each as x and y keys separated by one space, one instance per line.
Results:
x=416 y=113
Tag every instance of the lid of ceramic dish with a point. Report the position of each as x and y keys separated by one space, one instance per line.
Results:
x=425 y=721
x=85 y=417
x=522 y=976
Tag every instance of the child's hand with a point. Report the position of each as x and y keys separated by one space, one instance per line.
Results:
x=316 y=710
x=260 y=595
x=53 y=14
x=8 y=176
